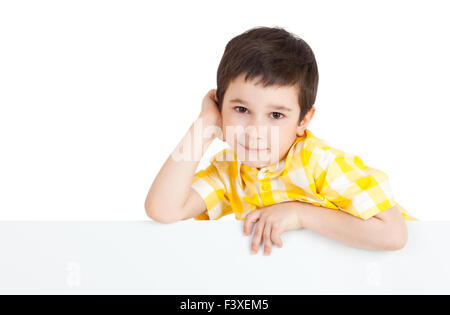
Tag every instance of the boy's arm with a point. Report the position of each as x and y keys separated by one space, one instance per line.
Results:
x=368 y=216
x=171 y=197
x=172 y=186
x=194 y=205
x=386 y=230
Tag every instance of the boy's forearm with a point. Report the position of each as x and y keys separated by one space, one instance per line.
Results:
x=171 y=185
x=372 y=233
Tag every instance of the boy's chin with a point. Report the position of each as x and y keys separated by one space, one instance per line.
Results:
x=258 y=164
x=257 y=160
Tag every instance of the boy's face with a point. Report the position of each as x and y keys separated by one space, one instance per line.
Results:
x=259 y=132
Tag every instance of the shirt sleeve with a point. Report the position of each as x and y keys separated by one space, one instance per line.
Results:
x=211 y=187
x=351 y=185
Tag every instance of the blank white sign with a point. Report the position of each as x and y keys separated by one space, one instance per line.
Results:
x=211 y=257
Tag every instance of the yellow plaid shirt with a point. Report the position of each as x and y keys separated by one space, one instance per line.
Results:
x=311 y=172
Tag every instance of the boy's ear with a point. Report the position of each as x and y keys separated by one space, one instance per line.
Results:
x=305 y=122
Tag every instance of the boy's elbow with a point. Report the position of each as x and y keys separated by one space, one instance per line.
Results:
x=398 y=239
x=155 y=216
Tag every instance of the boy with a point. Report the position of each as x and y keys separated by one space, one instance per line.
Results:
x=276 y=173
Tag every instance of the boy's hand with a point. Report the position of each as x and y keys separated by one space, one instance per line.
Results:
x=271 y=221
x=210 y=109
x=210 y=114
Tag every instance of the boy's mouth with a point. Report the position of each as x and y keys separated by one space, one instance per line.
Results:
x=253 y=149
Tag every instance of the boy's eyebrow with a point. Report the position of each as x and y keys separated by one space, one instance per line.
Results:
x=274 y=106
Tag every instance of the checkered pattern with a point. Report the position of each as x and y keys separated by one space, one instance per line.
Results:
x=312 y=172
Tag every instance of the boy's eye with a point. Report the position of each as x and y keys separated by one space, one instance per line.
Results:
x=278 y=115
x=240 y=107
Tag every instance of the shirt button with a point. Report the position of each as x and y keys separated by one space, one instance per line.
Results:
x=266 y=187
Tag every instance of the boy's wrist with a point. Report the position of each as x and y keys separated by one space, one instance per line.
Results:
x=206 y=130
x=299 y=210
x=299 y=217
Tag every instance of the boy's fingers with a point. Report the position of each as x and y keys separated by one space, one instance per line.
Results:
x=267 y=241
x=249 y=220
x=276 y=237
x=257 y=236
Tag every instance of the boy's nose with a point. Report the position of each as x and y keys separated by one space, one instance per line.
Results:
x=257 y=131
x=253 y=135
x=256 y=142
x=257 y=120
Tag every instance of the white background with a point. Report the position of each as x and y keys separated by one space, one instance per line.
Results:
x=95 y=95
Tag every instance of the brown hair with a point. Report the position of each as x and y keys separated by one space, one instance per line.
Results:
x=280 y=57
